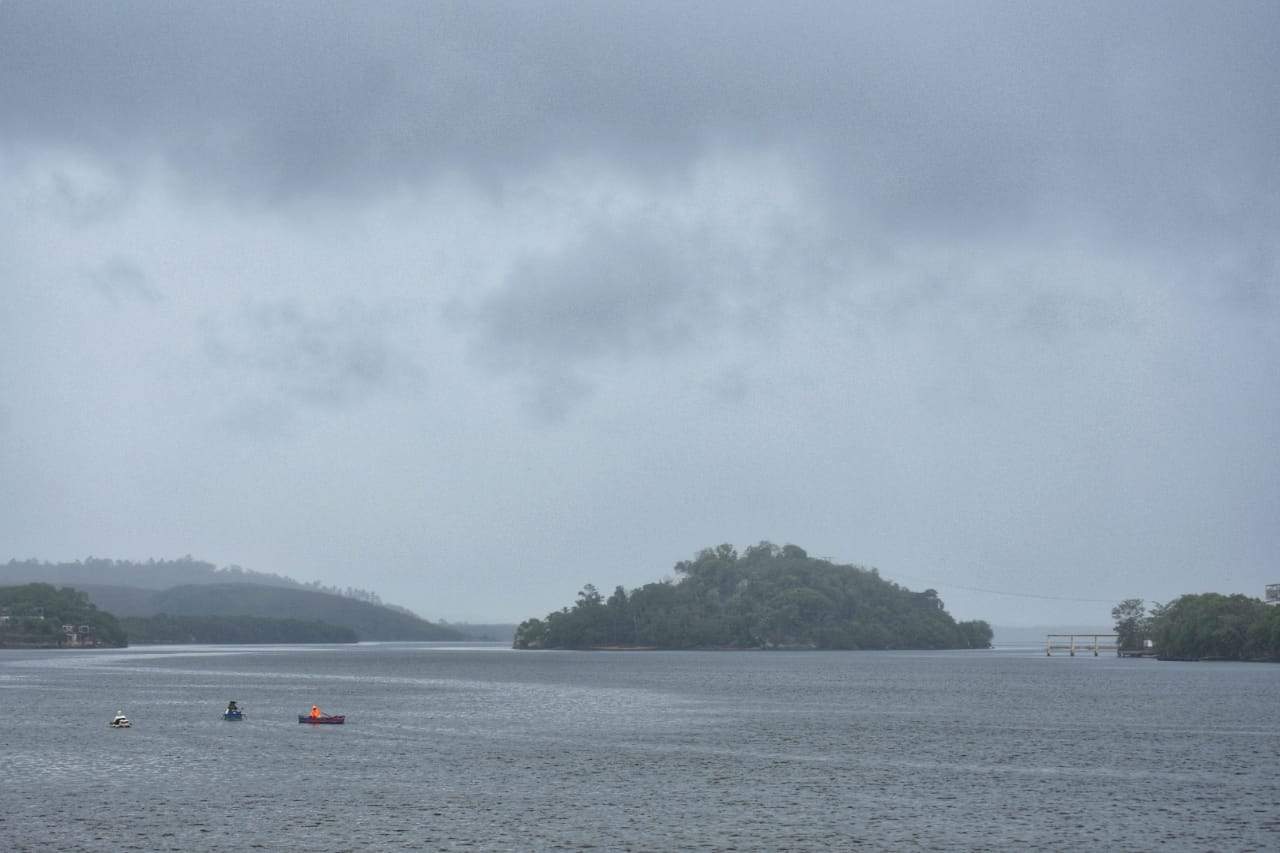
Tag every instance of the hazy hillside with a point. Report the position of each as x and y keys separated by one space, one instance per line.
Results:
x=191 y=587
x=159 y=574
x=152 y=574
x=369 y=621
x=121 y=600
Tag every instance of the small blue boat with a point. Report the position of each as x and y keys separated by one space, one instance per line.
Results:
x=233 y=715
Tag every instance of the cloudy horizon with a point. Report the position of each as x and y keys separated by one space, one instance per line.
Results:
x=472 y=304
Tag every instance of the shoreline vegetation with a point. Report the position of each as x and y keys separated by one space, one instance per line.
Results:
x=42 y=616
x=1201 y=627
x=769 y=597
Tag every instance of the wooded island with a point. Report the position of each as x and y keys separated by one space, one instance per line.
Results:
x=768 y=597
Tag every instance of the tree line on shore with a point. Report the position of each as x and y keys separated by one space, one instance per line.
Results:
x=34 y=615
x=1201 y=627
x=767 y=597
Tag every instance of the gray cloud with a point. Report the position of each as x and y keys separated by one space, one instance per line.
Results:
x=933 y=115
x=668 y=274
x=991 y=121
x=614 y=297
x=614 y=294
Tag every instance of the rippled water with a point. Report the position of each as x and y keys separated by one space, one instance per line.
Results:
x=480 y=747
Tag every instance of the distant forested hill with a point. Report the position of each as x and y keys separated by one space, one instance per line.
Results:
x=369 y=621
x=152 y=574
x=157 y=574
x=769 y=597
x=190 y=587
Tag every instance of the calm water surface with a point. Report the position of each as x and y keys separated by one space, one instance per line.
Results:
x=479 y=747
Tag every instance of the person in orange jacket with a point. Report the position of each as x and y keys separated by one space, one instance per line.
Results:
x=315 y=712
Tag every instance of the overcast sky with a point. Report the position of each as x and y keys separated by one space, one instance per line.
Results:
x=470 y=304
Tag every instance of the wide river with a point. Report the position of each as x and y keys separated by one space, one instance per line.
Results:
x=480 y=747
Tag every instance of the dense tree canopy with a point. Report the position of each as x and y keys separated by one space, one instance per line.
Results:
x=34 y=613
x=1133 y=625
x=767 y=597
x=1227 y=627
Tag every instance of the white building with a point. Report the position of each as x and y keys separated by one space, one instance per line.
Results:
x=1273 y=594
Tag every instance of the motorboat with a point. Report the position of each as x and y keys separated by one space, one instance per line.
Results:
x=120 y=721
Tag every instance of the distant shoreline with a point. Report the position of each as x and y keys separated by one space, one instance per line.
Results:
x=762 y=649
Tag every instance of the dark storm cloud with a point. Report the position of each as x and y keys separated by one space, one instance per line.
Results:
x=609 y=297
x=1153 y=118
x=677 y=274
x=1149 y=125
x=613 y=294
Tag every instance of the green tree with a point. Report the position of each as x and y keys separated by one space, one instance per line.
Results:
x=531 y=634
x=589 y=596
x=1132 y=624
x=622 y=628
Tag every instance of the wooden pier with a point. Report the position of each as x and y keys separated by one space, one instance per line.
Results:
x=1082 y=643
